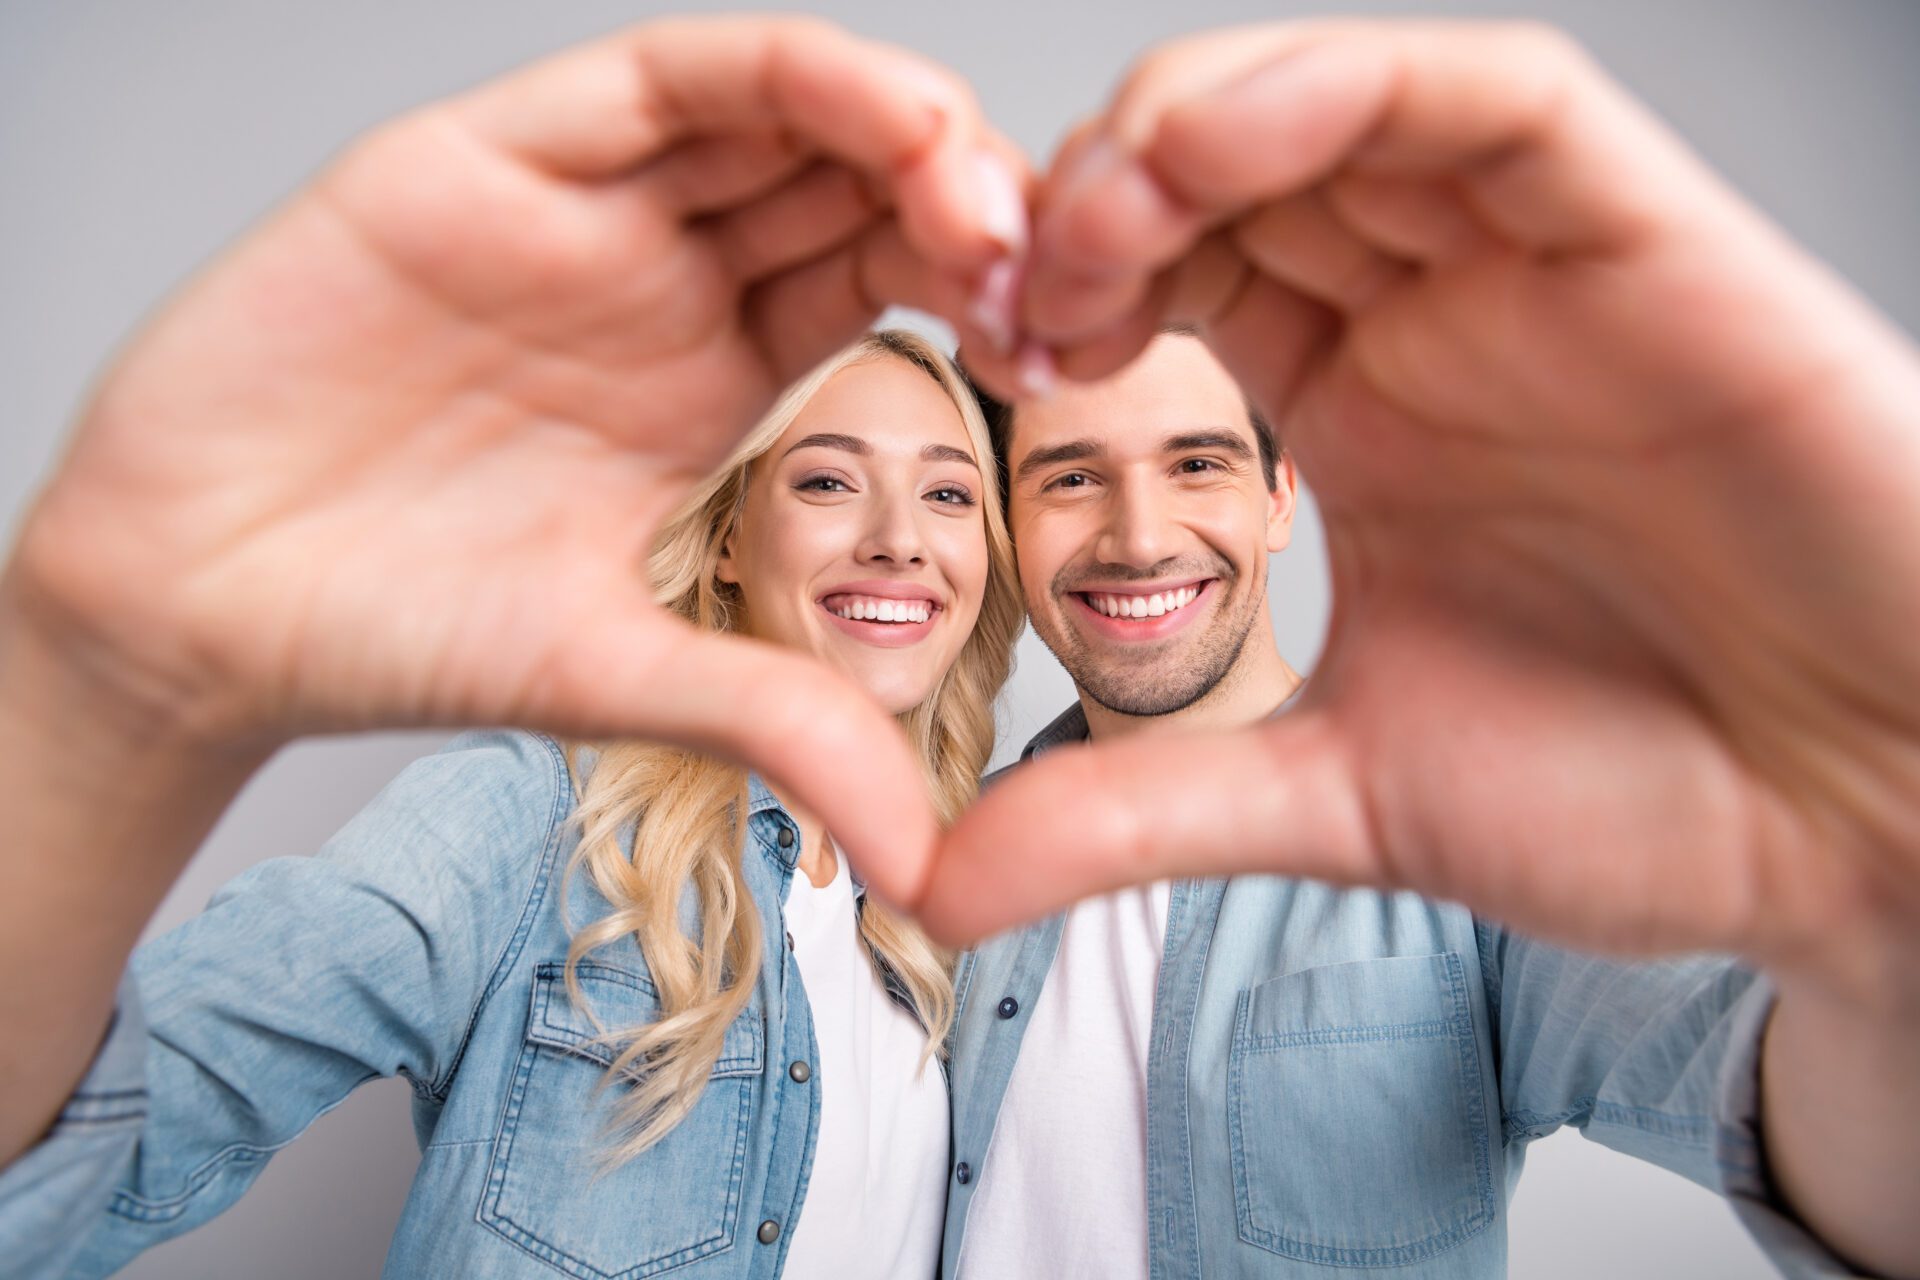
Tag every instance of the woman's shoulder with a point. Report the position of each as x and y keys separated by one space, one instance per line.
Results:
x=490 y=804
x=511 y=775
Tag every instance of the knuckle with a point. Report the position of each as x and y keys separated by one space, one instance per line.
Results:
x=1544 y=44
x=804 y=28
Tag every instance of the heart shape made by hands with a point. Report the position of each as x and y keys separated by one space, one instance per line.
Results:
x=1621 y=493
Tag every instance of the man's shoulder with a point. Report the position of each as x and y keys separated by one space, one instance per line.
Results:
x=1069 y=726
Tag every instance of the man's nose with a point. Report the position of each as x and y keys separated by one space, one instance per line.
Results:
x=1138 y=530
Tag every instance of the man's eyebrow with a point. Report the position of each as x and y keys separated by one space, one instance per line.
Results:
x=947 y=453
x=830 y=440
x=1228 y=441
x=1070 y=451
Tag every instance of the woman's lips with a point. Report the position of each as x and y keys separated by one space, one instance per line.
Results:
x=884 y=621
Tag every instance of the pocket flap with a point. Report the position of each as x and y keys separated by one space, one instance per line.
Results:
x=622 y=1000
x=1391 y=997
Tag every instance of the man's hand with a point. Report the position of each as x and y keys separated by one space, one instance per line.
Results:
x=1622 y=500
x=398 y=457
x=1622 y=497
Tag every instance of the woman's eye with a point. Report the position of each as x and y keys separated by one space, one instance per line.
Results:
x=824 y=484
x=952 y=495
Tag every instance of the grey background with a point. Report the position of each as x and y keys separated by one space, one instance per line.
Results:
x=135 y=138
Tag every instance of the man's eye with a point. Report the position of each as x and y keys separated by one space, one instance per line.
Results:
x=1197 y=466
x=1071 y=480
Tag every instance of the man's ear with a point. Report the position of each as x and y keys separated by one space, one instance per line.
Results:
x=1280 y=504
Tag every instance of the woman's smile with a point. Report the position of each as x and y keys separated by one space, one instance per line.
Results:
x=889 y=615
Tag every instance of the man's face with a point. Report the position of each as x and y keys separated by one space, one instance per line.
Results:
x=1143 y=523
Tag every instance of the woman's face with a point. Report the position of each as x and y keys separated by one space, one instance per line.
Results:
x=862 y=539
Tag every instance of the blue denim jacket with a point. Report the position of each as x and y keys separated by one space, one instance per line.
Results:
x=426 y=940
x=1344 y=1082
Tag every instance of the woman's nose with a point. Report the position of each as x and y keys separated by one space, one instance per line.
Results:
x=893 y=536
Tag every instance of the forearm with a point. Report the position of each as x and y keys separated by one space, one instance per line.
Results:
x=105 y=800
x=1840 y=1090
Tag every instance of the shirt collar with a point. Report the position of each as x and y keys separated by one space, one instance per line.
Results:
x=1069 y=726
x=767 y=818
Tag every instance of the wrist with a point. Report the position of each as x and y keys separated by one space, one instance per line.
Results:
x=66 y=700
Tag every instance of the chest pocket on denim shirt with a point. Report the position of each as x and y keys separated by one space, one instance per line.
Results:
x=676 y=1202
x=1357 y=1120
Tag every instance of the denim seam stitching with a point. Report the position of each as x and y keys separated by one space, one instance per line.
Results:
x=1679 y=1126
x=138 y=1208
x=557 y=772
x=1432 y=1029
x=101 y=1121
x=549 y=972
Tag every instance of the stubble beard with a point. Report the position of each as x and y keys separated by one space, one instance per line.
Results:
x=1161 y=679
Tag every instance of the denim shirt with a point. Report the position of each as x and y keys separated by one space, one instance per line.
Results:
x=426 y=940
x=1344 y=1083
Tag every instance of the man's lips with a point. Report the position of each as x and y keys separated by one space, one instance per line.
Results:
x=1137 y=613
x=889 y=615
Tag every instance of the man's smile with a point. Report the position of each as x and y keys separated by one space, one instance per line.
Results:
x=1140 y=613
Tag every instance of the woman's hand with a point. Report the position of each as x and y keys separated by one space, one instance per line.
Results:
x=397 y=457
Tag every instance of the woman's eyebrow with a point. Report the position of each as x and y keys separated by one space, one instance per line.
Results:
x=830 y=440
x=947 y=453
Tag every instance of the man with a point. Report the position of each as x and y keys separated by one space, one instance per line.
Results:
x=1266 y=1076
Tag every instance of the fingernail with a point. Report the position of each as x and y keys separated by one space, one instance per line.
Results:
x=994 y=304
x=1003 y=207
x=1036 y=371
x=924 y=83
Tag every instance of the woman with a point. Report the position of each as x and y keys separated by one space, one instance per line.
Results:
x=645 y=1013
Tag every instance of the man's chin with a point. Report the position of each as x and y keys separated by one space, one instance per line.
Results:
x=1148 y=676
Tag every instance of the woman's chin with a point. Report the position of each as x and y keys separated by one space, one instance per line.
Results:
x=896 y=692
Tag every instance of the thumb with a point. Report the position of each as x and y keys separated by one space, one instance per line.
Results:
x=1276 y=797
x=811 y=731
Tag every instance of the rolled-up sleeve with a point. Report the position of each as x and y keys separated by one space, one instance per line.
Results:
x=52 y=1195
x=1740 y=1154
x=1657 y=1059
x=304 y=978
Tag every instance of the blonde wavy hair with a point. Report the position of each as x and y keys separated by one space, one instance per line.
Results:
x=683 y=813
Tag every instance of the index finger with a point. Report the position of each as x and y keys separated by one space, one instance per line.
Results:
x=601 y=111
x=1541 y=145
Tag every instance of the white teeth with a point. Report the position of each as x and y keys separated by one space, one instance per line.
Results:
x=1153 y=606
x=874 y=609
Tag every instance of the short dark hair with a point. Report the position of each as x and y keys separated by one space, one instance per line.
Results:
x=999 y=415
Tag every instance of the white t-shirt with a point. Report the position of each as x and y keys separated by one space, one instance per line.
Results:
x=1063 y=1186
x=877 y=1193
